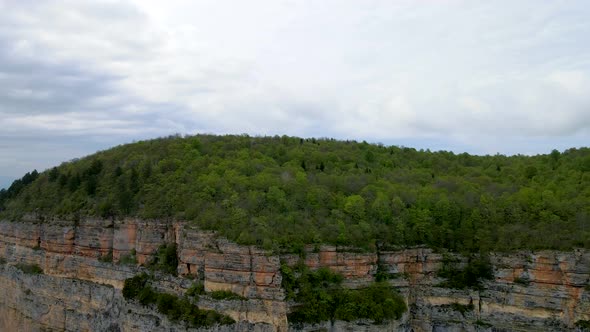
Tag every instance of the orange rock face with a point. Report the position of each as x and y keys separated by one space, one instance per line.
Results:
x=555 y=291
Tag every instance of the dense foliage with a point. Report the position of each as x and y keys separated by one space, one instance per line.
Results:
x=320 y=297
x=165 y=259
x=16 y=187
x=283 y=192
x=174 y=307
x=471 y=275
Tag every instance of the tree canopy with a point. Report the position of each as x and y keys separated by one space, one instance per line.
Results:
x=284 y=192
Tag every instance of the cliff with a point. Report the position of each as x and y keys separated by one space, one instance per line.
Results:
x=85 y=264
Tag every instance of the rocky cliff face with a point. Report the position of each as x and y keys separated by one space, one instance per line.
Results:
x=80 y=292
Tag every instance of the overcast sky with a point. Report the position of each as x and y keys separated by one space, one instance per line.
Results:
x=477 y=76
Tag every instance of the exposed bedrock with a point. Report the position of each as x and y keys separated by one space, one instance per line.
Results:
x=532 y=291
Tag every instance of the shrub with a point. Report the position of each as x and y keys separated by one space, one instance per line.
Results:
x=378 y=302
x=129 y=259
x=165 y=259
x=108 y=258
x=2 y=260
x=29 y=268
x=147 y=295
x=166 y=303
x=321 y=297
x=289 y=281
x=174 y=307
x=133 y=286
x=195 y=290
x=382 y=274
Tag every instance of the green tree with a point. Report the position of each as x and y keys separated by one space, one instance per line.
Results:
x=355 y=207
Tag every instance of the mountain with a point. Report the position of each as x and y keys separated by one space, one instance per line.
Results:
x=281 y=193
x=239 y=233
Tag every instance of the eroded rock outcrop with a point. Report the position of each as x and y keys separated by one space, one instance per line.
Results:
x=74 y=251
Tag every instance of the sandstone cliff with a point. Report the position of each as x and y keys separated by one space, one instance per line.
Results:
x=532 y=291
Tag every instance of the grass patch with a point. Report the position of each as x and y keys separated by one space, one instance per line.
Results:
x=174 y=307
x=29 y=268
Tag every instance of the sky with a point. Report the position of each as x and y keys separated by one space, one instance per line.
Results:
x=483 y=77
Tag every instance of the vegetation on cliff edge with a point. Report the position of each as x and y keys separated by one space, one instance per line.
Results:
x=174 y=307
x=320 y=297
x=283 y=192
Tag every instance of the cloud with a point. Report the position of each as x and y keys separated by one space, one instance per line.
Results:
x=476 y=76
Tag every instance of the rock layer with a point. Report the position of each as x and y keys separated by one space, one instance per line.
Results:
x=544 y=290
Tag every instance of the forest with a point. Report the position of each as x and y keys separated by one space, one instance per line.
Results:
x=283 y=193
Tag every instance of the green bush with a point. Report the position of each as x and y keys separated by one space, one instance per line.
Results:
x=167 y=304
x=108 y=258
x=320 y=297
x=289 y=281
x=378 y=302
x=477 y=270
x=147 y=295
x=29 y=268
x=381 y=274
x=133 y=286
x=2 y=260
x=195 y=290
x=174 y=307
x=165 y=259
x=129 y=259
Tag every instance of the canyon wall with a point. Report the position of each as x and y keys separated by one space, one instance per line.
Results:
x=85 y=264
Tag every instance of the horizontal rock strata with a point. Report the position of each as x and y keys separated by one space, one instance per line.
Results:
x=532 y=291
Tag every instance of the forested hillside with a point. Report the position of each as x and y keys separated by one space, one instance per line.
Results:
x=283 y=192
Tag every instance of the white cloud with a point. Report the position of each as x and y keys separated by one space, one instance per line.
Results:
x=573 y=81
x=463 y=74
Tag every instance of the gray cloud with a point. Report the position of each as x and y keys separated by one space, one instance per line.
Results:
x=482 y=77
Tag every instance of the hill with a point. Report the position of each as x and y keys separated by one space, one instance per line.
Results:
x=281 y=193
